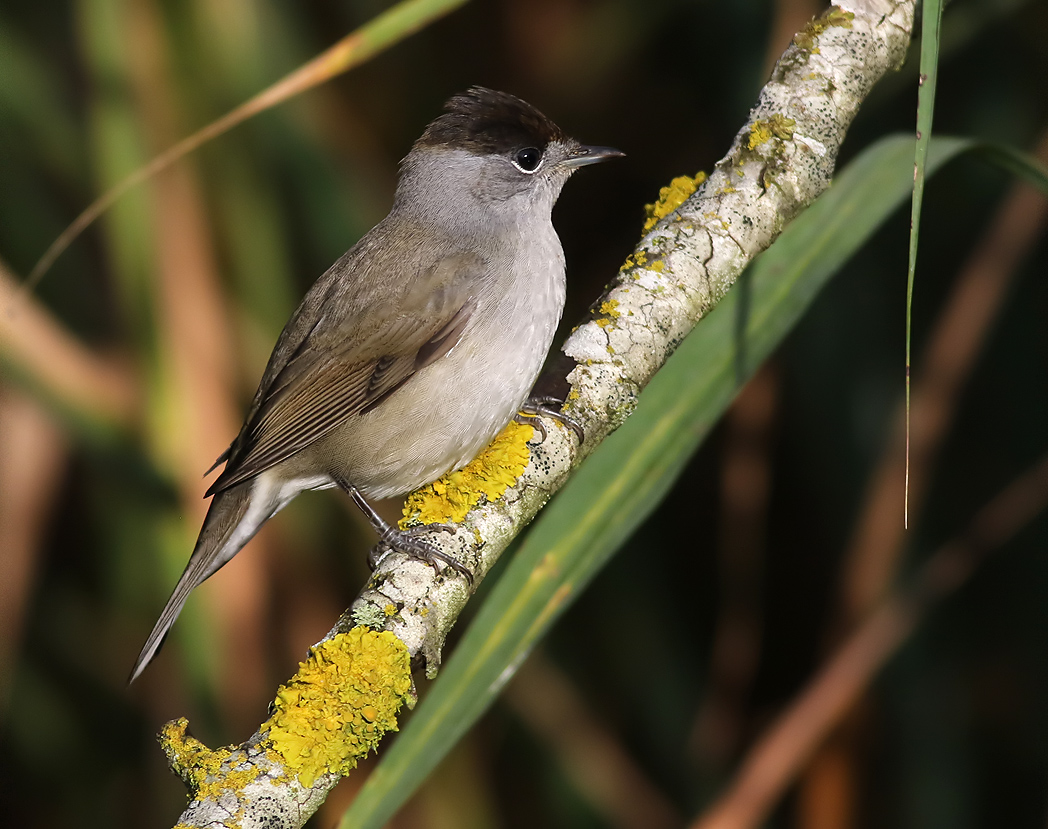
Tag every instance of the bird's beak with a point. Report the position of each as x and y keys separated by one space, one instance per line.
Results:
x=584 y=155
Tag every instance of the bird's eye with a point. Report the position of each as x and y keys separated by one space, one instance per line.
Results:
x=527 y=160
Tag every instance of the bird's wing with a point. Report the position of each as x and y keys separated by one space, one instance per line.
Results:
x=339 y=357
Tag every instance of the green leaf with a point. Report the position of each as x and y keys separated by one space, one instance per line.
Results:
x=626 y=477
x=928 y=80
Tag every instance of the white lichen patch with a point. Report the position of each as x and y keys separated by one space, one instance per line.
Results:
x=646 y=278
x=589 y=343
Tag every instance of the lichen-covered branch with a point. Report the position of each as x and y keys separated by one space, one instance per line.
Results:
x=700 y=236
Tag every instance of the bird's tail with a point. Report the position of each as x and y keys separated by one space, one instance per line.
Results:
x=234 y=516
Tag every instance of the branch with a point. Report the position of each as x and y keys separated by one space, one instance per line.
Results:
x=699 y=238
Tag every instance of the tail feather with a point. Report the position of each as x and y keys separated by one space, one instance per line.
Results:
x=234 y=516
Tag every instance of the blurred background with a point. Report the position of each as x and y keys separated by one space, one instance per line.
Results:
x=128 y=371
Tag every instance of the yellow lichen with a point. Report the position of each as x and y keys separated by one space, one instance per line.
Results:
x=199 y=766
x=636 y=259
x=609 y=308
x=764 y=129
x=833 y=16
x=495 y=470
x=671 y=197
x=339 y=704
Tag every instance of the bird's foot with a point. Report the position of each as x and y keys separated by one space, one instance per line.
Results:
x=406 y=542
x=403 y=541
x=547 y=407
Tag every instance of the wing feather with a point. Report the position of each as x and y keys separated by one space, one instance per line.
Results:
x=333 y=370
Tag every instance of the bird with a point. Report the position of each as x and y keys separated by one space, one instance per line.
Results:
x=417 y=347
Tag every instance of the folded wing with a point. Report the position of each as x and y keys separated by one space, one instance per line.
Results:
x=344 y=366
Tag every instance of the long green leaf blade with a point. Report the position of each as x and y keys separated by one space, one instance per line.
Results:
x=622 y=482
x=929 y=74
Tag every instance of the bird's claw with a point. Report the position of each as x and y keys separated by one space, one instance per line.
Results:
x=547 y=407
x=404 y=541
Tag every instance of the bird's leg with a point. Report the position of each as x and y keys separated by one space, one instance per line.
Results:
x=547 y=407
x=404 y=541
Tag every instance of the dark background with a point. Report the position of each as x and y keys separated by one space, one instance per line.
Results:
x=179 y=293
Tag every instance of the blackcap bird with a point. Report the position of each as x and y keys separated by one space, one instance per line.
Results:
x=418 y=346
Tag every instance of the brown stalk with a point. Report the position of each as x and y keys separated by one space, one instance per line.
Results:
x=796 y=734
x=42 y=348
x=196 y=345
x=32 y=461
x=878 y=541
x=600 y=768
x=943 y=370
x=745 y=488
x=379 y=34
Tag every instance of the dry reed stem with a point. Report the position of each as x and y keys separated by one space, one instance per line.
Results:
x=878 y=540
x=792 y=739
x=595 y=761
x=33 y=454
x=942 y=370
x=41 y=347
x=195 y=343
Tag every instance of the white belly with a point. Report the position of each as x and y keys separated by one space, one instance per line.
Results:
x=444 y=415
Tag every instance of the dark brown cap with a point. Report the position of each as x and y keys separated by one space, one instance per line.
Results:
x=487 y=122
